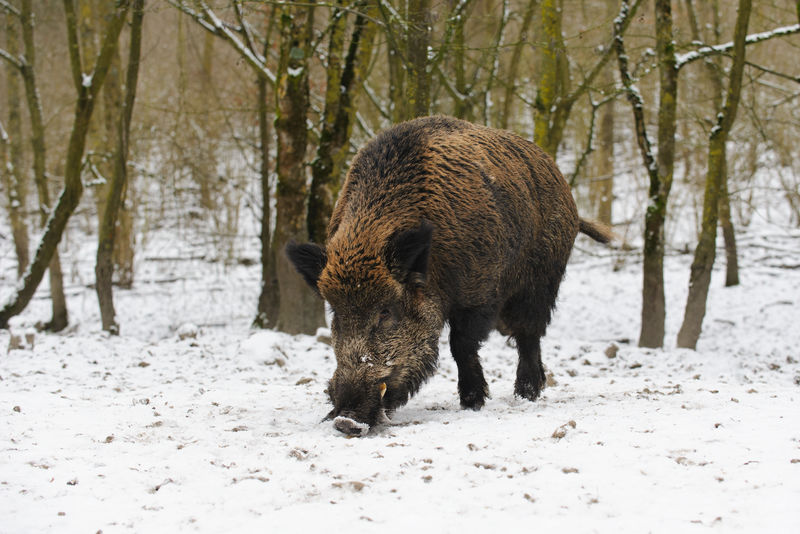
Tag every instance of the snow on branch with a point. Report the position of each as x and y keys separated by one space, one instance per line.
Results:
x=706 y=51
x=11 y=59
x=212 y=23
x=631 y=91
x=9 y=8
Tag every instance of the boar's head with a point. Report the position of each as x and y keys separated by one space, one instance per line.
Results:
x=386 y=323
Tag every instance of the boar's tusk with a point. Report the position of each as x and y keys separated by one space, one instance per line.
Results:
x=383 y=389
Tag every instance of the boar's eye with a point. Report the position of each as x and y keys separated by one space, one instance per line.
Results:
x=384 y=315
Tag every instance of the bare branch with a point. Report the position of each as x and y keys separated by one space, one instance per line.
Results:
x=248 y=35
x=9 y=8
x=623 y=20
x=212 y=23
x=11 y=59
x=632 y=92
x=707 y=51
x=795 y=79
x=73 y=44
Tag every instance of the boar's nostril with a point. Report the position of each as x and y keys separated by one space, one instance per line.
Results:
x=351 y=427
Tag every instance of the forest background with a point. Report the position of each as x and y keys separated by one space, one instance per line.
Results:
x=123 y=118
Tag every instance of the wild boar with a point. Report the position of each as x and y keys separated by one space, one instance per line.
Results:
x=439 y=221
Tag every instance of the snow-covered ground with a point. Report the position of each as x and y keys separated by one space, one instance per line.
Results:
x=221 y=432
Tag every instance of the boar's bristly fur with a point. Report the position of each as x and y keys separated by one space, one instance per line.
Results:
x=439 y=220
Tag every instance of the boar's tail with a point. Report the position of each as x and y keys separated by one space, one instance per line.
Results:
x=597 y=231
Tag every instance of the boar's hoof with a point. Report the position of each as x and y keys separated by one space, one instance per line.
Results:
x=351 y=427
x=527 y=389
x=473 y=400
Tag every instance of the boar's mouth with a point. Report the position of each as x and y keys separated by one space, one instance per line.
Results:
x=356 y=423
x=349 y=426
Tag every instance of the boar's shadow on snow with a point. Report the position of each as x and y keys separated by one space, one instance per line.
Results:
x=439 y=221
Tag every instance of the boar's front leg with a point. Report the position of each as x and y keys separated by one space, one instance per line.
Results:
x=468 y=329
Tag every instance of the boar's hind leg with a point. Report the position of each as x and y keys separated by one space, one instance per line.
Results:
x=530 y=371
x=527 y=316
x=468 y=328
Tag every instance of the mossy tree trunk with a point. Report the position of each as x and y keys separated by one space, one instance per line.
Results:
x=552 y=78
x=714 y=72
x=344 y=73
x=87 y=87
x=653 y=299
x=394 y=17
x=705 y=252
x=104 y=266
x=554 y=98
x=659 y=170
x=301 y=311
x=418 y=90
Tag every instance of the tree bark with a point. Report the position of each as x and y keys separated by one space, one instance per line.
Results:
x=301 y=311
x=337 y=125
x=88 y=87
x=601 y=188
x=705 y=252
x=551 y=88
x=60 y=317
x=658 y=170
x=513 y=66
x=13 y=178
x=269 y=297
x=104 y=267
x=713 y=70
x=419 y=36
x=653 y=300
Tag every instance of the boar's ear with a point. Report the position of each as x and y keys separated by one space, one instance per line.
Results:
x=407 y=254
x=309 y=260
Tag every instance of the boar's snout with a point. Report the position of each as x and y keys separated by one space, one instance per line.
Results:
x=347 y=425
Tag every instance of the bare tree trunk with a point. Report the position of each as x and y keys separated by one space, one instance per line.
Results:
x=713 y=70
x=653 y=300
x=104 y=267
x=419 y=36
x=60 y=318
x=659 y=169
x=13 y=178
x=87 y=88
x=550 y=88
x=397 y=83
x=464 y=107
x=705 y=253
x=269 y=298
x=334 y=144
x=728 y=233
x=601 y=188
x=268 y=306
x=301 y=311
x=513 y=66
x=206 y=163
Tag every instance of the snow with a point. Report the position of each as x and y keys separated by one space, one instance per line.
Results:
x=688 y=57
x=148 y=432
x=193 y=422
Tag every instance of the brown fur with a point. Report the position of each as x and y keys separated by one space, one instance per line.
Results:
x=503 y=224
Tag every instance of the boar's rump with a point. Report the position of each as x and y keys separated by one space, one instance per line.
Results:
x=439 y=221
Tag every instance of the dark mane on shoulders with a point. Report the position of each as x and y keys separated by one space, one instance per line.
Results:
x=401 y=146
